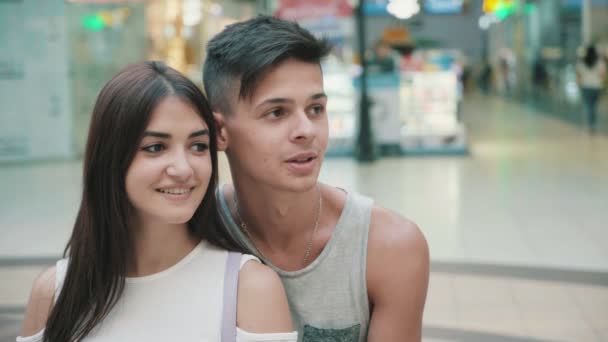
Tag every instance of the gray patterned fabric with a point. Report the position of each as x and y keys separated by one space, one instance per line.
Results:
x=313 y=334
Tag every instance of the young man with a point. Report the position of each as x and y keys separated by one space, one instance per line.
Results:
x=352 y=271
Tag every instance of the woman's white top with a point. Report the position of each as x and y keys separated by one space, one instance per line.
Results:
x=181 y=303
x=592 y=77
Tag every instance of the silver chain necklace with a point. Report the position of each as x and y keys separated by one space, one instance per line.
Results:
x=243 y=227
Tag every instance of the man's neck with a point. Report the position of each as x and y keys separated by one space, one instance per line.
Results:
x=284 y=225
x=275 y=220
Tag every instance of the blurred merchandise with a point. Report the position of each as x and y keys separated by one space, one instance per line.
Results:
x=430 y=95
x=341 y=105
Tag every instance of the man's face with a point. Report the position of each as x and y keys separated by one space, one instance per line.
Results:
x=278 y=137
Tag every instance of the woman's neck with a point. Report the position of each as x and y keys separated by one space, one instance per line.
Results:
x=158 y=246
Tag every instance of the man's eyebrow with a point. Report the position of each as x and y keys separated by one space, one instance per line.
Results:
x=167 y=136
x=276 y=100
x=280 y=100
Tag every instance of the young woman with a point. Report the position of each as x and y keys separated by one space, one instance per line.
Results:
x=147 y=257
x=591 y=73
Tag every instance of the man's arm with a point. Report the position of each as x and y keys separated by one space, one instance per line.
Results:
x=397 y=277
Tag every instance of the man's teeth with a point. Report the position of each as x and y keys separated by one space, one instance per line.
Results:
x=178 y=191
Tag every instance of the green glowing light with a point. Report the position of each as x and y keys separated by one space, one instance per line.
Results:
x=530 y=8
x=93 y=23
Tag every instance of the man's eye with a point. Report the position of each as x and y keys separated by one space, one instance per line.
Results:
x=276 y=113
x=153 y=148
x=318 y=109
x=200 y=147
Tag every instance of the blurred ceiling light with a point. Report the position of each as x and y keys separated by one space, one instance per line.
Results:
x=484 y=23
x=501 y=8
x=403 y=9
x=192 y=12
x=188 y=32
x=172 y=10
x=486 y=20
x=169 y=31
x=215 y=9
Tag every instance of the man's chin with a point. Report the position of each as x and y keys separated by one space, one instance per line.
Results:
x=302 y=184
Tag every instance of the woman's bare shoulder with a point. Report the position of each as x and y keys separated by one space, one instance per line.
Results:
x=40 y=303
x=262 y=303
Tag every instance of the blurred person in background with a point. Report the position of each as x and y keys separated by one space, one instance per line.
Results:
x=383 y=60
x=485 y=78
x=590 y=76
x=353 y=271
x=506 y=71
x=148 y=254
x=540 y=77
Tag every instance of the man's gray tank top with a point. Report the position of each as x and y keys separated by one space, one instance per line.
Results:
x=328 y=298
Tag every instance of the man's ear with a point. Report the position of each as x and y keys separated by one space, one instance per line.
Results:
x=222 y=134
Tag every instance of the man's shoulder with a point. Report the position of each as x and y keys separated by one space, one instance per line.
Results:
x=389 y=229
x=386 y=226
x=397 y=256
x=396 y=247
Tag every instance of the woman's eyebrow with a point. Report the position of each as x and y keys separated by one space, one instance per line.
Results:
x=167 y=135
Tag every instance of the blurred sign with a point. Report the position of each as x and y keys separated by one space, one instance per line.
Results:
x=396 y=35
x=375 y=7
x=104 y=19
x=313 y=9
x=443 y=6
x=576 y=4
x=336 y=31
x=501 y=8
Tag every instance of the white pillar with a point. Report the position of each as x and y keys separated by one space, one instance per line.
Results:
x=586 y=21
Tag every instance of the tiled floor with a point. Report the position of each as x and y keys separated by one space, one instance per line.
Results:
x=517 y=230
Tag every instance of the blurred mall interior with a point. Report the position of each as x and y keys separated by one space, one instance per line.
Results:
x=479 y=129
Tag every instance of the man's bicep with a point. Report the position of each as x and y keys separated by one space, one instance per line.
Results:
x=397 y=276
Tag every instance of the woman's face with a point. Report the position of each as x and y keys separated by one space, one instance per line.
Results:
x=170 y=172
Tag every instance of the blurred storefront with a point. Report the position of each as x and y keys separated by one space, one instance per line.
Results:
x=534 y=46
x=176 y=31
x=102 y=38
x=333 y=20
x=59 y=54
x=35 y=97
x=414 y=96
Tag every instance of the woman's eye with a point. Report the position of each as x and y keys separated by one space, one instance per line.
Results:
x=153 y=148
x=200 y=147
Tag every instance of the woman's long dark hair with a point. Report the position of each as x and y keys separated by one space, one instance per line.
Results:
x=101 y=245
x=591 y=56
